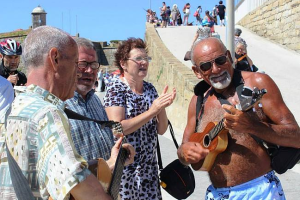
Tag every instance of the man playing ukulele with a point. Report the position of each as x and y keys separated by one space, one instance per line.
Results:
x=243 y=170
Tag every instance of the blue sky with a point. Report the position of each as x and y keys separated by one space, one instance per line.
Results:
x=97 y=20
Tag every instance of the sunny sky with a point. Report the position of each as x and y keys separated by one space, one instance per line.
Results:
x=97 y=20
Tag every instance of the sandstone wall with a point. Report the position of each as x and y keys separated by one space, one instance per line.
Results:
x=277 y=20
x=167 y=70
x=106 y=54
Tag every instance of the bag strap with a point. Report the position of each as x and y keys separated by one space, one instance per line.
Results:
x=159 y=160
x=242 y=57
x=198 y=107
x=199 y=91
x=19 y=181
x=73 y=115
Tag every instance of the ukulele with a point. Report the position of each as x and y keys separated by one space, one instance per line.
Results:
x=111 y=181
x=215 y=136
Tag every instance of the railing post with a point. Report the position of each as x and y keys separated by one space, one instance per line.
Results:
x=230 y=27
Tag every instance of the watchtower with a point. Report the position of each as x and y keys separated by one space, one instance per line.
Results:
x=38 y=17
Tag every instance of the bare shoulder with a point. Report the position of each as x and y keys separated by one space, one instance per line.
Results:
x=191 y=120
x=192 y=107
x=193 y=100
x=259 y=80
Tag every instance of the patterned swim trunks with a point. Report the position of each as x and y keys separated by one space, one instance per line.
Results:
x=266 y=187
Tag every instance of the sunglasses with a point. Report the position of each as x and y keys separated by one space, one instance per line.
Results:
x=221 y=60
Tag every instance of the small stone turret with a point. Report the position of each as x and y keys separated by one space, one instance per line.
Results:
x=38 y=17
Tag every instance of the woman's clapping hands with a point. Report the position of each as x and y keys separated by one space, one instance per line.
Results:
x=163 y=101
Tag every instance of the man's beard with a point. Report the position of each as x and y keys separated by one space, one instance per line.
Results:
x=11 y=69
x=220 y=81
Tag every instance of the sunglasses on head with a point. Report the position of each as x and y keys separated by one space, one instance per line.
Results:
x=221 y=60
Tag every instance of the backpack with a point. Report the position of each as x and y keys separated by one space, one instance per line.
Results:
x=196 y=14
x=282 y=158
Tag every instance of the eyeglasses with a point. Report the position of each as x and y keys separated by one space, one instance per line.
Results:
x=221 y=60
x=82 y=65
x=140 y=59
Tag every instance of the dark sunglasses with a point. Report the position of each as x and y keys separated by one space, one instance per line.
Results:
x=221 y=60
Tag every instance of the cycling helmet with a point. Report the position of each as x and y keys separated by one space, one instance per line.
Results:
x=10 y=47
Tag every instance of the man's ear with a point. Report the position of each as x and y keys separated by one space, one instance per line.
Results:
x=1 y=56
x=53 y=58
x=196 y=71
x=229 y=56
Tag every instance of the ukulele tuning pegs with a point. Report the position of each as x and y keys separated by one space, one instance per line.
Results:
x=251 y=97
x=247 y=92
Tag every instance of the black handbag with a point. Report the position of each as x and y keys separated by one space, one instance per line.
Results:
x=283 y=158
x=176 y=178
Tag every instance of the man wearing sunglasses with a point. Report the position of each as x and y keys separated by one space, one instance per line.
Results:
x=243 y=170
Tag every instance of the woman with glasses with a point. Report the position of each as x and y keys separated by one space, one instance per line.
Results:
x=136 y=104
x=242 y=60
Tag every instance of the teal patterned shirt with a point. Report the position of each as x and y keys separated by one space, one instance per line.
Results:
x=38 y=137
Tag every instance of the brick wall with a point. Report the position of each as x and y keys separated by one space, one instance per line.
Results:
x=277 y=20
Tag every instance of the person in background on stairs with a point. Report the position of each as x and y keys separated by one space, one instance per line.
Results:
x=186 y=12
x=221 y=13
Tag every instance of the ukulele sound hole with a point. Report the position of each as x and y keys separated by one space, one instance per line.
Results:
x=206 y=141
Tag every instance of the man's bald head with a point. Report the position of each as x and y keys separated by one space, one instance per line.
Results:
x=206 y=46
x=212 y=63
x=39 y=42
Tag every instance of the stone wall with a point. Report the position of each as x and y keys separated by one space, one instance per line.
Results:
x=277 y=20
x=106 y=55
x=168 y=70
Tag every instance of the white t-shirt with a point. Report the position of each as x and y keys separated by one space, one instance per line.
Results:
x=187 y=11
x=6 y=97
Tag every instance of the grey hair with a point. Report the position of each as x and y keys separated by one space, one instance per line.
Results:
x=241 y=42
x=192 y=52
x=39 y=42
x=83 y=42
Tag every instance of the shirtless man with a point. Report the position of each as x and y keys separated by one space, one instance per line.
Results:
x=243 y=170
